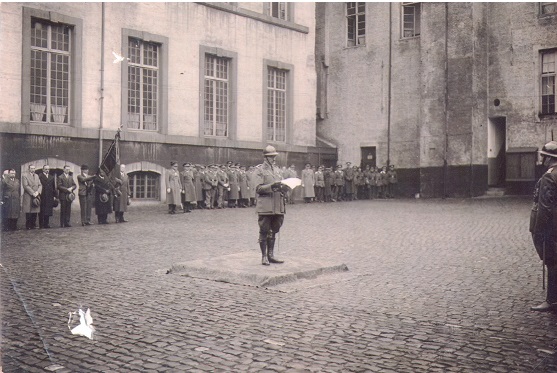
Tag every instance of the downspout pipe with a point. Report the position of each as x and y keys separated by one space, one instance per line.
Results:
x=446 y=150
x=389 y=85
x=102 y=84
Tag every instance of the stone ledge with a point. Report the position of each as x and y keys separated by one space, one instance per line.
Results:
x=245 y=269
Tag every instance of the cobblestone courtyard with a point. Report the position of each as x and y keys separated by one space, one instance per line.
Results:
x=432 y=286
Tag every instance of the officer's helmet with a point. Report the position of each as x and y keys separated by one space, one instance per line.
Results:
x=549 y=149
x=270 y=151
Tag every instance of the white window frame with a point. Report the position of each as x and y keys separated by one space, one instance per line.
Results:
x=214 y=81
x=547 y=79
x=411 y=23
x=274 y=96
x=143 y=68
x=38 y=110
x=353 y=20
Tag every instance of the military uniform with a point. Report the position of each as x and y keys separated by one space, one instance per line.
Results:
x=543 y=224
x=210 y=183
x=85 y=193
x=393 y=181
x=173 y=188
x=270 y=205
x=10 y=202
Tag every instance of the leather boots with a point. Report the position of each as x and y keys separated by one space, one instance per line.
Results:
x=264 y=259
x=270 y=249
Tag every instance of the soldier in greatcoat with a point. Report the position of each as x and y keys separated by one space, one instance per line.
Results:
x=308 y=183
x=348 y=182
x=329 y=177
x=222 y=187
x=234 y=193
x=543 y=224
x=189 y=197
x=31 y=190
x=374 y=183
x=210 y=183
x=173 y=187
x=104 y=194
x=122 y=195
x=382 y=182
x=244 y=187
x=10 y=201
x=252 y=183
x=49 y=196
x=198 y=177
x=270 y=205
x=393 y=181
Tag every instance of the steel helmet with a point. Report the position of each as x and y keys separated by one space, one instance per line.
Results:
x=270 y=151
x=549 y=149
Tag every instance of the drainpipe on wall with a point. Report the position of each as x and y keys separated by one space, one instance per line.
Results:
x=389 y=86
x=446 y=151
x=102 y=88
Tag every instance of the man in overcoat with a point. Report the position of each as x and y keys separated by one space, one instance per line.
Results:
x=543 y=224
x=10 y=201
x=210 y=183
x=308 y=183
x=31 y=190
x=66 y=187
x=104 y=193
x=173 y=187
x=222 y=177
x=49 y=196
x=122 y=195
x=270 y=206
x=189 y=197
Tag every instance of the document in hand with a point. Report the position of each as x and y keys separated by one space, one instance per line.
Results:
x=291 y=182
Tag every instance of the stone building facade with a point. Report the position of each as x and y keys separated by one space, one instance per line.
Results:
x=457 y=96
x=198 y=82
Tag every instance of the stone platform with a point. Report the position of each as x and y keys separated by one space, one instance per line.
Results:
x=245 y=268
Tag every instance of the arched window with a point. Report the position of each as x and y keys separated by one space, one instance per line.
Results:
x=145 y=185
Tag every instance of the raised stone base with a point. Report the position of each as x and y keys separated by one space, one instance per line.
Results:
x=245 y=268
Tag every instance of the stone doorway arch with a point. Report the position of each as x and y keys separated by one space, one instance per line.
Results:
x=145 y=166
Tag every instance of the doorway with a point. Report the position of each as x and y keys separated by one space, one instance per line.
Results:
x=496 y=149
x=368 y=156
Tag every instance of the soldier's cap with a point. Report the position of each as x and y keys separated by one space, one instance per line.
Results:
x=339 y=166
x=174 y=163
x=187 y=164
x=237 y=165
x=549 y=149
x=308 y=164
x=293 y=165
x=348 y=162
x=229 y=162
x=84 y=167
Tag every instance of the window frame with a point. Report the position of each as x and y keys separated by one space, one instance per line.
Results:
x=357 y=14
x=289 y=11
x=134 y=175
x=74 y=118
x=403 y=7
x=541 y=9
x=289 y=110
x=162 y=90
x=543 y=75
x=232 y=58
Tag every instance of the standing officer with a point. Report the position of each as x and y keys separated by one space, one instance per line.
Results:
x=31 y=189
x=122 y=195
x=210 y=183
x=66 y=186
x=543 y=223
x=85 y=193
x=270 y=205
x=173 y=187
x=222 y=186
x=189 y=197
x=104 y=191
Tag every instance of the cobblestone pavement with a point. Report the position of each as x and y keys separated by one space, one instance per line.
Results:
x=433 y=286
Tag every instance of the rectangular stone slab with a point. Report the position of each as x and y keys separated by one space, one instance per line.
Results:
x=245 y=268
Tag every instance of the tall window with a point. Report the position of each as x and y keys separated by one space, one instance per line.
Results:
x=279 y=10
x=144 y=185
x=411 y=19
x=216 y=95
x=356 y=23
x=548 y=8
x=143 y=84
x=50 y=71
x=276 y=104
x=548 y=82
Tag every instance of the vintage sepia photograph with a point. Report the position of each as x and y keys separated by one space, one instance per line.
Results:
x=298 y=187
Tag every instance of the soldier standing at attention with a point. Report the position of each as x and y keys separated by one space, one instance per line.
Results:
x=393 y=181
x=543 y=224
x=173 y=187
x=270 y=205
x=85 y=194
x=10 y=201
x=32 y=188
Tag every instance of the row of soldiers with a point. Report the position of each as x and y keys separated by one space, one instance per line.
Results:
x=43 y=191
x=232 y=185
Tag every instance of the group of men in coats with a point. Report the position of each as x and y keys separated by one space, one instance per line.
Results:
x=43 y=191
